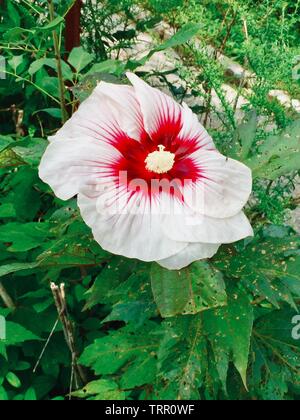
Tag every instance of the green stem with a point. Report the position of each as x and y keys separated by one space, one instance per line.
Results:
x=62 y=89
x=32 y=7
x=23 y=79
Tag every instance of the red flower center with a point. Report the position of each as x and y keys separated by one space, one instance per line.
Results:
x=134 y=153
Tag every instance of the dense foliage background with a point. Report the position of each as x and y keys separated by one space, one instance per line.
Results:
x=220 y=329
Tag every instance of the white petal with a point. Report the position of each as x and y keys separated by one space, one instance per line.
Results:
x=155 y=105
x=68 y=165
x=195 y=227
x=224 y=188
x=110 y=108
x=193 y=252
x=158 y=109
x=128 y=113
x=124 y=233
x=193 y=129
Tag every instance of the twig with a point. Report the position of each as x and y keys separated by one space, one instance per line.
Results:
x=208 y=108
x=218 y=52
x=9 y=303
x=41 y=125
x=258 y=301
x=18 y=115
x=59 y=296
x=227 y=36
x=45 y=346
x=246 y=32
x=296 y=200
x=246 y=63
x=62 y=90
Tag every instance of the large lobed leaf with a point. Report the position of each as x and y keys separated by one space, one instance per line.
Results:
x=188 y=291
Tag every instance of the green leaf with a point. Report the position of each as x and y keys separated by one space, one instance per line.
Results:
x=268 y=267
x=88 y=83
x=188 y=291
x=7 y=210
x=48 y=85
x=3 y=394
x=244 y=137
x=185 y=34
x=16 y=334
x=276 y=356
x=53 y=112
x=74 y=248
x=80 y=59
x=102 y=389
x=103 y=289
x=15 y=62
x=278 y=155
x=16 y=35
x=132 y=298
x=136 y=312
x=25 y=198
x=23 y=237
x=13 y=13
x=52 y=63
x=22 y=366
x=15 y=267
x=31 y=150
x=30 y=395
x=5 y=142
x=126 y=347
x=8 y=158
x=52 y=25
x=229 y=331
x=108 y=66
x=170 y=290
x=13 y=380
x=182 y=360
x=40 y=63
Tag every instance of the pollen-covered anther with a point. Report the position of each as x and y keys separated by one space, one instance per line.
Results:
x=160 y=161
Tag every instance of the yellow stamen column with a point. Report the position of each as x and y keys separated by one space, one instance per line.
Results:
x=160 y=161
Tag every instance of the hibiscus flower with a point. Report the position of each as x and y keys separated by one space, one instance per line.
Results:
x=149 y=180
